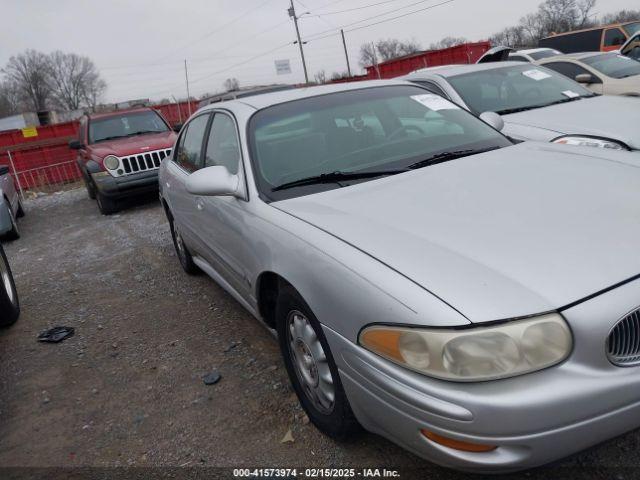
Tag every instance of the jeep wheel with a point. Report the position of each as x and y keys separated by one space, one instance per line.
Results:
x=106 y=205
x=14 y=233
x=9 y=304
x=184 y=256
x=311 y=368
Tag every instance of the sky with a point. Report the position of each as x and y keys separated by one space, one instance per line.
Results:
x=140 y=46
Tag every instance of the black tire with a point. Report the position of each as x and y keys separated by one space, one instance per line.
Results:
x=21 y=213
x=106 y=205
x=90 y=186
x=339 y=423
x=9 y=303
x=182 y=252
x=14 y=233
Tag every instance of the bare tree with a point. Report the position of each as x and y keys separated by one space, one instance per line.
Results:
x=339 y=75
x=447 y=42
x=321 y=77
x=9 y=100
x=74 y=81
x=29 y=72
x=621 y=17
x=385 y=50
x=231 y=84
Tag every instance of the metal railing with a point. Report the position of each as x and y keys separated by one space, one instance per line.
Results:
x=46 y=178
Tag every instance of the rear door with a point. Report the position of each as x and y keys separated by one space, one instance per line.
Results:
x=186 y=159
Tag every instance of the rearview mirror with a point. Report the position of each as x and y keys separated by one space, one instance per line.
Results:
x=493 y=119
x=213 y=182
x=75 y=145
x=585 y=78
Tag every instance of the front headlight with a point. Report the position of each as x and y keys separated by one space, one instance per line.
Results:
x=590 y=142
x=111 y=162
x=474 y=354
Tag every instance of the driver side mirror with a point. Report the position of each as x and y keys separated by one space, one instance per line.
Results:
x=177 y=127
x=584 y=78
x=214 y=182
x=76 y=145
x=493 y=119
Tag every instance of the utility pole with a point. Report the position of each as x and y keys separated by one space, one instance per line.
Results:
x=186 y=77
x=346 y=55
x=292 y=14
x=375 y=59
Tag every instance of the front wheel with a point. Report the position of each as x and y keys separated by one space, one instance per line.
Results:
x=106 y=205
x=184 y=256
x=9 y=304
x=311 y=368
x=14 y=233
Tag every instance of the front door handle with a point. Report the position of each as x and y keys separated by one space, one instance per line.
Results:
x=199 y=204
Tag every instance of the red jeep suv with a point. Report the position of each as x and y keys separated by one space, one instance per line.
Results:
x=119 y=154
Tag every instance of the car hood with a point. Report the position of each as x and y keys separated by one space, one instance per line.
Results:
x=510 y=233
x=132 y=145
x=614 y=117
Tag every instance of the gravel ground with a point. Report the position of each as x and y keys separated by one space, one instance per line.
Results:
x=127 y=389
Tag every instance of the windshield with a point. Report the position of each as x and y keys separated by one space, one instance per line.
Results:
x=632 y=28
x=614 y=65
x=125 y=125
x=544 y=54
x=521 y=87
x=384 y=129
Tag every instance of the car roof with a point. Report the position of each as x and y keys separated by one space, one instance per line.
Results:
x=574 y=56
x=454 y=70
x=528 y=51
x=116 y=113
x=265 y=100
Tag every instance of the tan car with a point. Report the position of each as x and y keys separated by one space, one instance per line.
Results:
x=606 y=73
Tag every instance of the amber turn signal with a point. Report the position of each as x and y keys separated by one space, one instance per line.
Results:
x=457 y=444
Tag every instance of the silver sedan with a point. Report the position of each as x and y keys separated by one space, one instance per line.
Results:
x=536 y=103
x=474 y=301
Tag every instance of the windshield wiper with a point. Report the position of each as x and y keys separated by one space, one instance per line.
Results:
x=335 y=177
x=533 y=107
x=115 y=137
x=446 y=156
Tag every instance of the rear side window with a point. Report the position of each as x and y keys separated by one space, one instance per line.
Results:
x=518 y=58
x=614 y=37
x=223 y=148
x=432 y=87
x=189 y=148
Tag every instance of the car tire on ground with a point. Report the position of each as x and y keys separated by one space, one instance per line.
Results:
x=21 y=213
x=89 y=185
x=184 y=256
x=9 y=303
x=14 y=233
x=311 y=368
x=106 y=205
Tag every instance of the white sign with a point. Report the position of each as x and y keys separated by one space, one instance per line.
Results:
x=570 y=94
x=435 y=102
x=283 y=67
x=536 y=75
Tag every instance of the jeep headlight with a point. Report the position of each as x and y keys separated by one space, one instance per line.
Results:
x=590 y=142
x=111 y=162
x=474 y=354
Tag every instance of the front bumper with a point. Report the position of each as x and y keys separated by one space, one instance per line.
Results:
x=126 y=186
x=533 y=419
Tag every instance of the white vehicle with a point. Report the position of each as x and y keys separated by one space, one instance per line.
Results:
x=604 y=73
x=533 y=54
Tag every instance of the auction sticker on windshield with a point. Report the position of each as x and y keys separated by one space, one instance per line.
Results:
x=536 y=75
x=570 y=94
x=435 y=102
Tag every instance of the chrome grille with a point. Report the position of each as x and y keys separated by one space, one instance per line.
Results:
x=623 y=343
x=142 y=162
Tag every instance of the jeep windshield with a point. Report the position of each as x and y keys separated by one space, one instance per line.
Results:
x=335 y=140
x=515 y=89
x=125 y=125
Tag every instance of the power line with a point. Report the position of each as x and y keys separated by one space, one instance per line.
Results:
x=218 y=29
x=356 y=8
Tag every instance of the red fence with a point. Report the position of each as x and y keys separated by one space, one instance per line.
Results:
x=42 y=166
x=177 y=112
x=58 y=133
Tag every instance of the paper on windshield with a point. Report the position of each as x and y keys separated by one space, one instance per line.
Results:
x=570 y=94
x=435 y=102
x=536 y=74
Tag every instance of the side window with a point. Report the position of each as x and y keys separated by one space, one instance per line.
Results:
x=518 y=58
x=614 y=37
x=567 y=69
x=189 y=148
x=223 y=148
